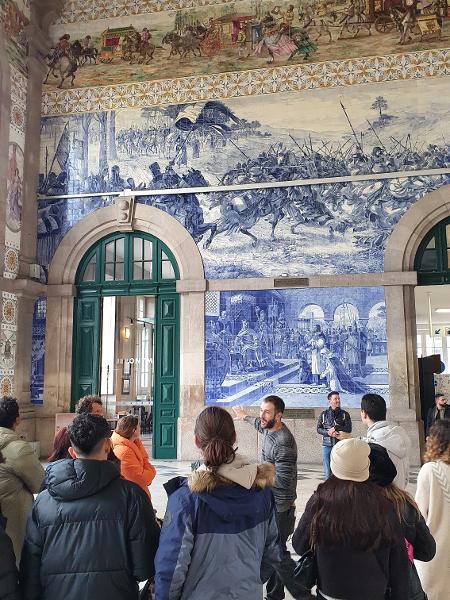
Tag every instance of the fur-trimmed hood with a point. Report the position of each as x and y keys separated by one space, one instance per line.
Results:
x=240 y=471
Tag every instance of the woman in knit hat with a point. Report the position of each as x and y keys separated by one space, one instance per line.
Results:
x=419 y=542
x=357 y=539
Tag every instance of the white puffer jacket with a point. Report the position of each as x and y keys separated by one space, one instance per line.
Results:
x=396 y=441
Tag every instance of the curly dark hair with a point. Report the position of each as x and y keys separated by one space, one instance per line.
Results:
x=84 y=406
x=9 y=411
x=87 y=431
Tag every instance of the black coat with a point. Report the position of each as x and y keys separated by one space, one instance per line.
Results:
x=354 y=574
x=9 y=577
x=90 y=535
x=418 y=535
x=431 y=417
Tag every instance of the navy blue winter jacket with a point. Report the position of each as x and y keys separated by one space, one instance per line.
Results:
x=219 y=540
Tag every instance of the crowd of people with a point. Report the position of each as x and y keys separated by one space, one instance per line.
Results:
x=92 y=532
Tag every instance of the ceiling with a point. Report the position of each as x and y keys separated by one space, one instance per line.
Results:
x=440 y=298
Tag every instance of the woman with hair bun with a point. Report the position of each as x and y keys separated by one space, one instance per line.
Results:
x=219 y=538
x=433 y=499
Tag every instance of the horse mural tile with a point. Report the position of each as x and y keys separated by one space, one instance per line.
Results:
x=339 y=227
x=298 y=344
x=116 y=45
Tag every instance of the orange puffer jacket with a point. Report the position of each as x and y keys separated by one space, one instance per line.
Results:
x=134 y=463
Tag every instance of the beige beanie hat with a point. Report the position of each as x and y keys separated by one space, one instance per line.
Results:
x=350 y=460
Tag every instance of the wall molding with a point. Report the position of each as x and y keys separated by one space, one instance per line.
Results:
x=292 y=78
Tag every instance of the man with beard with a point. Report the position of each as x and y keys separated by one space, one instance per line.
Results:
x=280 y=449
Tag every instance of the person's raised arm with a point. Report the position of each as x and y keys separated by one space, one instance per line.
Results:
x=241 y=415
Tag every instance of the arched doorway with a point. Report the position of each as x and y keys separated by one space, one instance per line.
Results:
x=126 y=331
x=61 y=293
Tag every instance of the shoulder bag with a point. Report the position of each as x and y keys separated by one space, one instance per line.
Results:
x=305 y=572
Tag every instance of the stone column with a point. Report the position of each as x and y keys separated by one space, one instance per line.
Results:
x=192 y=341
x=5 y=101
x=403 y=368
x=39 y=46
x=22 y=374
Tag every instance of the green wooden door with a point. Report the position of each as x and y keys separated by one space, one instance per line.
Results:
x=130 y=264
x=85 y=370
x=165 y=404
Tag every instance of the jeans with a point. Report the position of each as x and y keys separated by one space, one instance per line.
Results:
x=284 y=574
x=326 y=451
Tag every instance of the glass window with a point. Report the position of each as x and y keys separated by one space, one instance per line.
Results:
x=147 y=270
x=119 y=272
x=429 y=261
x=109 y=272
x=119 y=249
x=109 y=252
x=447 y=234
x=137 y=249
x=89 y=273
x=137 y=270
x=431 y=244
x=147 y=250
x=167 y=271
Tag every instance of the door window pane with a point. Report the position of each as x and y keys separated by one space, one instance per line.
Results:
x=147 y=250
x=137 y=249
x=167 y=271
x=109 y=252
x=429 y=261
x=147 y=270
x=89 y=273
x=109 y=271
x=119 y=272
x=137 y=270
x=432 y=243
x=119 y=249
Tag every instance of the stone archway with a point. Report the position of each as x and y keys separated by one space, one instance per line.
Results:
x=411 y=229
x=400 y=302
x=61 y=290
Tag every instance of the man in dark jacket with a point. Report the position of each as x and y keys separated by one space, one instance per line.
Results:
x=90 y=534
x=9 y=576
x=330 y=421
x=440 y=410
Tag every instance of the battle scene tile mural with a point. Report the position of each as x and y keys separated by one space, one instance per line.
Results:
x=298 y=344
x=329 y=227
x=238 y=36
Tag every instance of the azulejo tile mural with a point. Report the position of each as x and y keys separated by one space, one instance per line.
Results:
x=15 y=18
x=323 y=228
x=412 y=65
x=38 y=351
x=237 y=36
x=299 y=344
x=76 y=11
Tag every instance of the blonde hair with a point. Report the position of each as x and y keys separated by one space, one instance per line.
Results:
x=398 y=498
x=438 y=442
